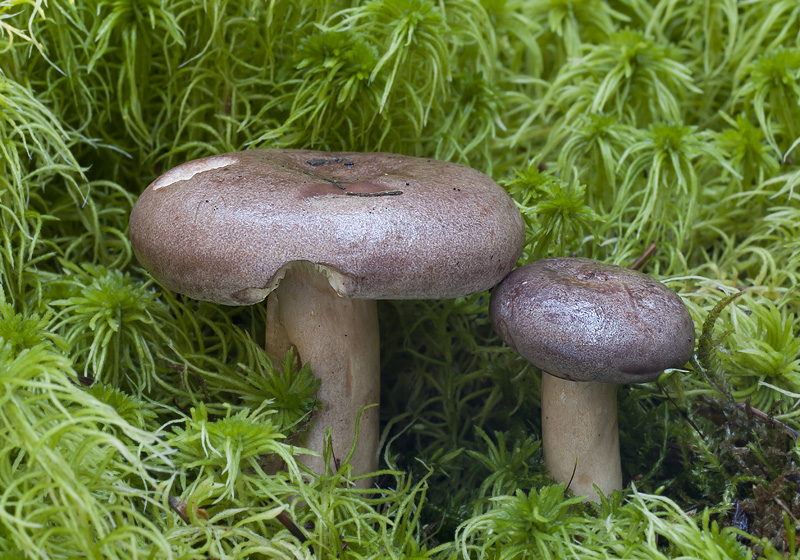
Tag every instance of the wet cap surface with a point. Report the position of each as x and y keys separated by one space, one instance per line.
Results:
x=583 y=320
x=382 y=226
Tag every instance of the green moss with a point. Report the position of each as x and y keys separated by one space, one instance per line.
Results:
x=135 y=423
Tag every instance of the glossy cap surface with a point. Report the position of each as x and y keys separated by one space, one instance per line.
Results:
x=381 y=226
x=584 y=320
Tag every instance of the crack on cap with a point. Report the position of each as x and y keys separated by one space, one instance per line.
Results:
x=190 y=169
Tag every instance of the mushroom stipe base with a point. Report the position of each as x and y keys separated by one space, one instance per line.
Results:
x=338 y=338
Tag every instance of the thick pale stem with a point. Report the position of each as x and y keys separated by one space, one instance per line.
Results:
x=338 y=337
x=580 y=434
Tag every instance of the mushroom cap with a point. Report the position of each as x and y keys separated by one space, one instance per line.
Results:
x=583 y=320
x=381 y=226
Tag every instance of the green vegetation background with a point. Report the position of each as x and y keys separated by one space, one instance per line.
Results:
x=134 y=423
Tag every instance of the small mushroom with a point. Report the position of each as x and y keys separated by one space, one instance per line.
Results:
x=322 y=236
x=589 y=326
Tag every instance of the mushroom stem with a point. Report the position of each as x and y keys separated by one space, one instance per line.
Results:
x=338 y=338
x=580 y=434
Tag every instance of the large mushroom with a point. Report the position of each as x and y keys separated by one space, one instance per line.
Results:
x=589 y=326
x=324 y=235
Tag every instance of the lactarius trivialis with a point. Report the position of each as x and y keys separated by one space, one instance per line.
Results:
x=323 y=236
x=589 y=326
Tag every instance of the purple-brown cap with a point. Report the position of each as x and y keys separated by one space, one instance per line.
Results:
x=381 y=226
x=583 y=320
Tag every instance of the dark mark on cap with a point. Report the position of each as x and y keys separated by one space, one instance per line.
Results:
x=380 y=193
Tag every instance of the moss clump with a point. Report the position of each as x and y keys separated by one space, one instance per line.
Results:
x=135 y=423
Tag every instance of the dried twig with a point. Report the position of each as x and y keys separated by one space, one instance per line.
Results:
x=764 y=417
x=296 y=531
x=637 y=264
x=179 y=508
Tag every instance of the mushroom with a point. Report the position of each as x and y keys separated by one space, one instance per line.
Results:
x=589 y=326
x=322 y=236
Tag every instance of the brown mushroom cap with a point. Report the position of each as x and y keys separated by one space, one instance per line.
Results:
x=381 y=226
x=583 y=320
